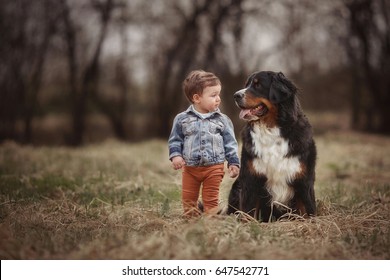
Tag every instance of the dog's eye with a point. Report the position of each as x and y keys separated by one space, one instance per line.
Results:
x=256 y=83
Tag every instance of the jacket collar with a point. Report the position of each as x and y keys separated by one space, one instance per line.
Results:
x=192 y=110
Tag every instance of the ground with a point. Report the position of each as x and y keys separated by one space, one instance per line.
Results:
x=117 y=200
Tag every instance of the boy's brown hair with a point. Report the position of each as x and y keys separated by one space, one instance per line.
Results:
x=197 y=81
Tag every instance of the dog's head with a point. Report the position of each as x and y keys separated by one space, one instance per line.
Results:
x=262 y=96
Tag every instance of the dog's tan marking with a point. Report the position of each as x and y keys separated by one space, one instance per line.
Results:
x=302 y=173
x=251 y=168
x=301 y=207
x=270 y=119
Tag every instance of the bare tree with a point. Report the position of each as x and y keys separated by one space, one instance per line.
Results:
x=82 y=89
x=176 y=61
x=24 y=48
x=115 y=104
x=368 y=47
x=196 y=42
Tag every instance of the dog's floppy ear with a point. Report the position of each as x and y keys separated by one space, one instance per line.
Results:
x=281 y=88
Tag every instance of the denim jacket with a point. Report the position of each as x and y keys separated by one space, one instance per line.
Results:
x=203 y=141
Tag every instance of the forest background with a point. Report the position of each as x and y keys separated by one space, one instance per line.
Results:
x=75 y=72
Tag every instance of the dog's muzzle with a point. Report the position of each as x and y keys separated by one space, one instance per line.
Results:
x=239 y=95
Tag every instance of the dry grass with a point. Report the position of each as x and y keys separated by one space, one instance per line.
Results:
x=122 y=201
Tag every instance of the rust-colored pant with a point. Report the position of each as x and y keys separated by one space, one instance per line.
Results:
x=193 y=177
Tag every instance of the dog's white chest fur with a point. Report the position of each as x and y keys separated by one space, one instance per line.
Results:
x=271 y=150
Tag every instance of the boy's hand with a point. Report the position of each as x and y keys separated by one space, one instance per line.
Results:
x=178 y=162
x=233 y=171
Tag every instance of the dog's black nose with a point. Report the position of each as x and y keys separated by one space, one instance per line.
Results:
x=239 y=94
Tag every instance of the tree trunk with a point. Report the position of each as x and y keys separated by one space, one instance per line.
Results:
x=90 y=78
x=370 y=58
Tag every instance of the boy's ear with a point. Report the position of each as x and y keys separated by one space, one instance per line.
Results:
x=195 y=98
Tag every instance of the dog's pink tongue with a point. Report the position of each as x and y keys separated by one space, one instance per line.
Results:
x=244 y=112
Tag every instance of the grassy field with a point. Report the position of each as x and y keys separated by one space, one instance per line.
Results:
x=122 y=201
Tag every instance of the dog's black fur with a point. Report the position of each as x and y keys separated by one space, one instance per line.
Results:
x=284 y=165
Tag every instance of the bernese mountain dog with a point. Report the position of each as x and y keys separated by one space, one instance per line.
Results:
x=278 y=153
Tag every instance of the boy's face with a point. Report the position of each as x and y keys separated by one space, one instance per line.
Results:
x=209 y=100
